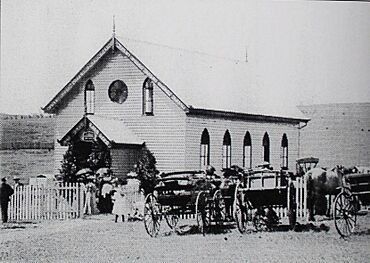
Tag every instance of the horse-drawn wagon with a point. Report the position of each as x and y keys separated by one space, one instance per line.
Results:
x=355 y=191
x=258 y=193
x=186 y=194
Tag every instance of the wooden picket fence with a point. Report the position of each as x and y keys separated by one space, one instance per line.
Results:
x=66 y=201
x=301 y=198
x=47 y=202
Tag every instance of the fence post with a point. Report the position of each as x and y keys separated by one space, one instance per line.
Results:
x=60 y=201
x=305 y=199
x=81 y=201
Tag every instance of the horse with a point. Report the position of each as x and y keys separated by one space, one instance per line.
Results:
x=322 y=182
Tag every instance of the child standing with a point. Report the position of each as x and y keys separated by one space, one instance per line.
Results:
x=120 y=206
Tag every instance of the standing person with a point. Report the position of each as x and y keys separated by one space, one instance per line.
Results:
x=5 y=192
x=120 y=206
x=17 y=182
x=105 y=198
x=90 y=187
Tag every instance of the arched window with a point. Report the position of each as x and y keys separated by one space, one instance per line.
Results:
x=204 y=149
x=89 y=97
x=266 y=147
x=226 y=150
x=247 y=151
x=148 y=97
x=284 y=152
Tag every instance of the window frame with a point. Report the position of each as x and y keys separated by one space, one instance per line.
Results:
x=266 y=147
x=247 y=150
x=123 y=96
x=226 y=150
x=89 y=97
x=284 y=152
x=205 y=148
x=148 y=97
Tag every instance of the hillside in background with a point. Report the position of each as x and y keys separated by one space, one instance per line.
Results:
x=34 y=131
x=26 y=143
x=26 y=163
x=338 y=134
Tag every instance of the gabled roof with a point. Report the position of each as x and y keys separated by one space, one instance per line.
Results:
x=110 y=131
x=204 y=82
x=112 y=44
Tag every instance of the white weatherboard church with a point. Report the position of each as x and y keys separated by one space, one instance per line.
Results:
x=185 y=107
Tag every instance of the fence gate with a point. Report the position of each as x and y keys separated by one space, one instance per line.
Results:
x=38 y=202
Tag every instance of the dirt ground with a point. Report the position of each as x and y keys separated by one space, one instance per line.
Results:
x=99 y=239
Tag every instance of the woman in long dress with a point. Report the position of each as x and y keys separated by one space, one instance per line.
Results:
x=90 y=201
x=120 y=205
x=105 y=200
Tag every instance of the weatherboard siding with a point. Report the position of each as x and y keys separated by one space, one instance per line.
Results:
x=123 y=159
x=237 y=128
x=171 y=135
x=163 y=133
x=67 y=117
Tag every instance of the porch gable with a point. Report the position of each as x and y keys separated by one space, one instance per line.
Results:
x=110 y=131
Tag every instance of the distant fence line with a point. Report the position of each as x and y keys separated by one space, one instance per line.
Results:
x=20 y=117
x=26 y=145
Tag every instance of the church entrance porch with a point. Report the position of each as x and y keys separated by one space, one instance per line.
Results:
x=96 y=142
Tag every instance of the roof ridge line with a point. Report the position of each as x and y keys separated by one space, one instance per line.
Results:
x=147 y=72
x=49 y=107
x=113 y=42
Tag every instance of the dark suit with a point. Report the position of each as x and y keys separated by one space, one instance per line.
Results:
x=5 y=192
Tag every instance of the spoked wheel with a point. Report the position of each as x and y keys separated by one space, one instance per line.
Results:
x=345 y=214
x=152 y=215
x=202 y=212
x=240 y=211
x=219 y=214
x=172 y=220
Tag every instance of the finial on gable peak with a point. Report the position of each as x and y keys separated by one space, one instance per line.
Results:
x=114 y=34
x=114 y=27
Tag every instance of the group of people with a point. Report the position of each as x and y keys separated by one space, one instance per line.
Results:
x=106 y=194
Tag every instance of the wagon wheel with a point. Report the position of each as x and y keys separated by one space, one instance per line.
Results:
x=152 y=215
x=202 y=212
x=219 y=214
x=258 y=220
x=172 y=220
x=345 y=214
x=240 y=211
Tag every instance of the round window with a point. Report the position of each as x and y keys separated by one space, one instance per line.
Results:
x=118 y=91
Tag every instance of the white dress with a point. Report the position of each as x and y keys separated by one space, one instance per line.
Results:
x=120 y=205
x=90 y=201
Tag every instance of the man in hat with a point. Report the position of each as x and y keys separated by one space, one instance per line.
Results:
x=17 y=182
x=5 y=192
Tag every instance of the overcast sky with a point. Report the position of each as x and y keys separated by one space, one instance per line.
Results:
x=301 y=52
